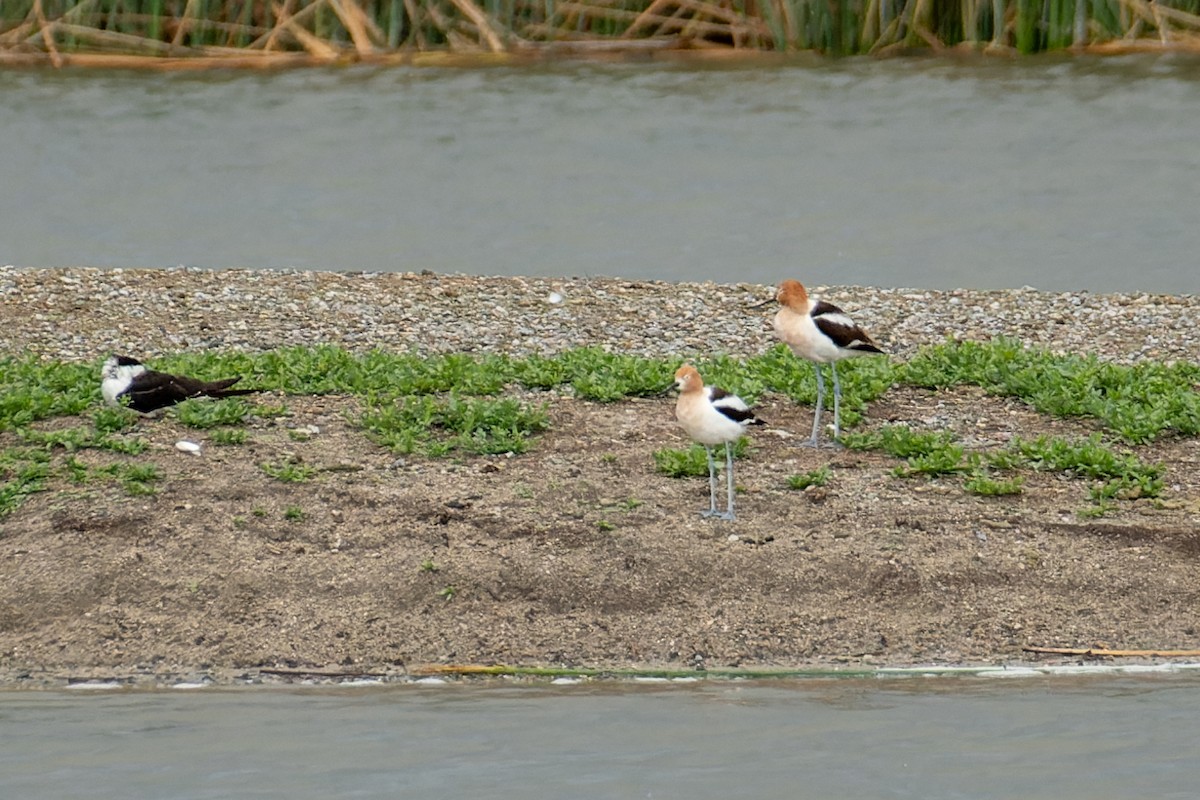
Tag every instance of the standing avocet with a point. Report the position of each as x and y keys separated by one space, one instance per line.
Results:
x=824 y=334
x=712 y=416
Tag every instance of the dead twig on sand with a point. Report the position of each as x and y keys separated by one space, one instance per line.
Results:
x=1102 y=652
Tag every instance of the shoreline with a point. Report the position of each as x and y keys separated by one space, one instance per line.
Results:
x=88 y=681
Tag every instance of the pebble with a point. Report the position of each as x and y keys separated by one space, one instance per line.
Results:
x=58 y=313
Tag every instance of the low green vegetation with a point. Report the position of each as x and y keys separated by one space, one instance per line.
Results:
x=33 y=389
x=23 y=471
x=227 y=437
x=692 y=462
x=465 y=404
x=816 y=477
x=1136 y=403
x=439 y=425
x=138 y=479
x=75 y=439
x=290 y=470
x=203 y=414
x=983 y=483
x=113 y=420
x=1118 y=475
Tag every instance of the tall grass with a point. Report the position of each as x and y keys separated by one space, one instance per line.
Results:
x=332 y=29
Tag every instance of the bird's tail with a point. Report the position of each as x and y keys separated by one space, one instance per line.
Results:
x=221 y=388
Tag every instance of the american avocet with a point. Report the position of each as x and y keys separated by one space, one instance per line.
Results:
x=822 y=333
x=712 y=416
x=146 y=390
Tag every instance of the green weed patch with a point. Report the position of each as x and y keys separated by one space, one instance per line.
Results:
x=692 y=462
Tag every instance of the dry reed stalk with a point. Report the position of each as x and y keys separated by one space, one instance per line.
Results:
x=1100 y=651
x=47 y=35
x=21 y=32
x=455 y=39
x=282 y=14
x=789 y=23
x=873 y=21
x=1175 y=15
x=480 y=20
x=933 y=41
x=1140 y=8
x=17 y=34
x=160 y=64
x=663 y=23
x=716 y=29
x=351 y=16
x=411 y=8
x=374 y=30
x=969 y=10
x=1163 y=34
x=75 y=11
x=887 y=39
x=284 y=19
x=918 y=19
x=121 y=41
x=677 y=21
x=714 y=11
x=1180 y=42
x=227 y=27
x=557 y=23
x=651 y=10
x=182 y=27
x=601 y=46
x=312 y=44
x=999 y=29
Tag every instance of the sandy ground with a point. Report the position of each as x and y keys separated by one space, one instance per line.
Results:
x=580 y=554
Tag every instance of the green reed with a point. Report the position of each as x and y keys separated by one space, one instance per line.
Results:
x=835 y=27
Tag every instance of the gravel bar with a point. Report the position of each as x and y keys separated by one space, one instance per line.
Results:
x=83 y=314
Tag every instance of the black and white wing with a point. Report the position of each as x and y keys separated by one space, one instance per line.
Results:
x=732 y=406
x=153 y=390
x=841 y=330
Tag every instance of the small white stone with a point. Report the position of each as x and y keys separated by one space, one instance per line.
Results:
x=184 y=446
x=555 y=298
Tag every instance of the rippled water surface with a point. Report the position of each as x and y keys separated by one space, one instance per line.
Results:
x=1061 y=174
x=862 y=739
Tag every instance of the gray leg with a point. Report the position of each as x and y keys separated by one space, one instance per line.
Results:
x=816 y=431
x=837 y=402
x=712 y=485
x=728 y=482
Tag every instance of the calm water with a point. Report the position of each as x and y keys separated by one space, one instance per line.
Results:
x=1061 y=174
x=920 y=739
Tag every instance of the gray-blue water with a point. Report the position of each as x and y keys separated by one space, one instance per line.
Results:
x=1056 y=173
x=977 y=740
